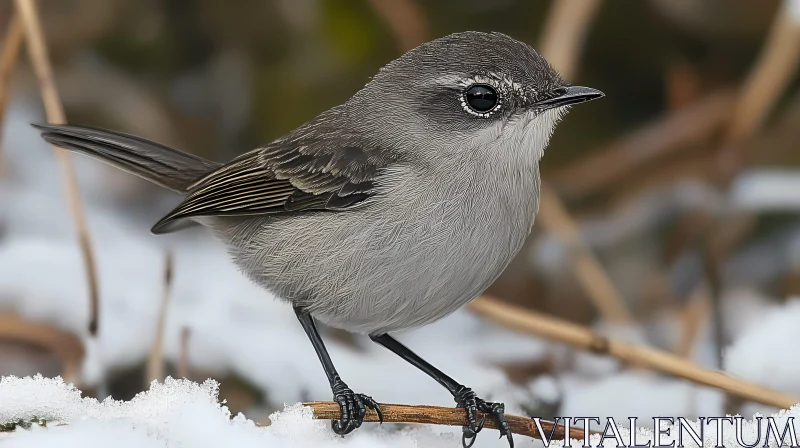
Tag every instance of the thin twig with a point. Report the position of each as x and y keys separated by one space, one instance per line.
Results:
x=589 y=271
x=682 y=85
x=531 y=322
x=37 y=51
x=435 y=415
x=724 y=235
x=718 y=247
x=692 y=315
x=183 y=361
x=155 y=362
x=8 y=59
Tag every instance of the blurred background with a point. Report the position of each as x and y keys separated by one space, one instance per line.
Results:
x=670 y=218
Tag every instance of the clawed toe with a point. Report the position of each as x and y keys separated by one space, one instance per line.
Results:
x=470 y=433
x=354 y=408
x=465 y=398
x=497 y=411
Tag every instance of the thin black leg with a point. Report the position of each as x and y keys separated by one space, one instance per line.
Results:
x=354 y=406
x=464 y=396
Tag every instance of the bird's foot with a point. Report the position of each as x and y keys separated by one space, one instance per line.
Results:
x=465 y=398
x=354 y=408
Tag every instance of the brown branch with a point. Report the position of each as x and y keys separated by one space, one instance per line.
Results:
x=155 y=362
x=531 y=322
x=8 y=59
x=37 y=51
x=435 y=415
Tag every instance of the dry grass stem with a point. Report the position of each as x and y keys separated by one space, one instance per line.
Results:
x=564 y=32
x=406 y=20
x=683 y=85
x=657 y=140
x=561 y=43
x=692 y=316
x=183 y=362
x=155 y=362
x=65 y=346
x=590 y=273
x=435 y=415
x=769 y=77
x=579 y=337
x=723 y=241
x=37 y=51
x=8 y=59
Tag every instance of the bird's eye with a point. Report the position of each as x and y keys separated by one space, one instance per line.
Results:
x=481 y=98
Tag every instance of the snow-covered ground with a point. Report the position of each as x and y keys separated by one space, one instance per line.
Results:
x=177 y=413
x=180 y=413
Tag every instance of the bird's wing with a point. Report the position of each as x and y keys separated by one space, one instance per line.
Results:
x=287 y=176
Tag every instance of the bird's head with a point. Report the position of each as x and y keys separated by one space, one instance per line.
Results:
x=459 y=91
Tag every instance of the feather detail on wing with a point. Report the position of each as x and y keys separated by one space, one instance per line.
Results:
x=287 y=176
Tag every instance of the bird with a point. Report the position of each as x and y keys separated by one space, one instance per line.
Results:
x=382 y=214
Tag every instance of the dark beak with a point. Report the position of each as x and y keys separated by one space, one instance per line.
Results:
x=567 y=96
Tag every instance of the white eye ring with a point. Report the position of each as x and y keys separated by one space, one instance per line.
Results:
x=486 y=89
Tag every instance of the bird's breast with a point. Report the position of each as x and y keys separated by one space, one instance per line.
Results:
x=421 y=248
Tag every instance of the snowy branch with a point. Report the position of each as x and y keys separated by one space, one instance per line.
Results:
x=436 y=415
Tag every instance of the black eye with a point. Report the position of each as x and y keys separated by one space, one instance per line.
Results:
x=481 y=98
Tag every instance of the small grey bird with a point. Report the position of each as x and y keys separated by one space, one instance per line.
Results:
x=387 y=212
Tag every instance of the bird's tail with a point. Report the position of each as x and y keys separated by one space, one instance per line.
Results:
x=157 y=163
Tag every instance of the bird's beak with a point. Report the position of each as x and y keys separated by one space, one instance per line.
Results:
x=570 y=95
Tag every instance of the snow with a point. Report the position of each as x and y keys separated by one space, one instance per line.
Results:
x=181 y=413
x=176 y=413
x=793 y=6
x=767 y=190
x=665 y=397
x=760 y=353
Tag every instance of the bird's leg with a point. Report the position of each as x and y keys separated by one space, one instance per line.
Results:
x=464 y=396
x=354 y=406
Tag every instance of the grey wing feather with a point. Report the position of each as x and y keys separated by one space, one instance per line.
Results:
x=287 y=176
